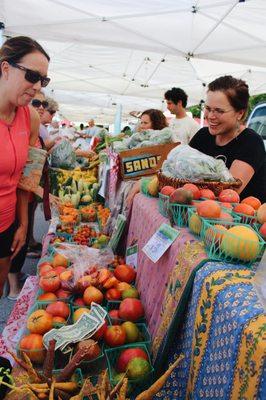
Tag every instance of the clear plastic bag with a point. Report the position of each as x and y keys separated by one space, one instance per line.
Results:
x=184 y=162
x=63 y=155
x=86 y=261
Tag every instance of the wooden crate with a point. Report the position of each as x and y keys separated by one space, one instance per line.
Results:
x=143 y=161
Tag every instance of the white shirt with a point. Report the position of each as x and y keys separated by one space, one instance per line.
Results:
x=183 y=129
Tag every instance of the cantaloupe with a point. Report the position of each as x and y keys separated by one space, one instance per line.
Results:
x=241 y=242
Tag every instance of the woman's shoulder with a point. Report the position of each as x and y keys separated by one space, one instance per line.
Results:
x=252 y=137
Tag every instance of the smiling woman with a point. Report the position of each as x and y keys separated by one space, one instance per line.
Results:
x=23 y=71
x=227 y=137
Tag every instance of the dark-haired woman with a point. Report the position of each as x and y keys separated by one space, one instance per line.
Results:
x=23 y=71
x=227 y=137
x=152 y=119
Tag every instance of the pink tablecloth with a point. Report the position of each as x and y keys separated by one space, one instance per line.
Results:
x=17 y=320
x=161 y=285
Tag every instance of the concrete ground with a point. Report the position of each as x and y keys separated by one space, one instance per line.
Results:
x=40 y=229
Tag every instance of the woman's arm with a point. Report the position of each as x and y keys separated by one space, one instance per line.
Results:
x=35 y=126
x=242 y=170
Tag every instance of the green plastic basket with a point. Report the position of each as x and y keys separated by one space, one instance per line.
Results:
x=42 y=306
x=230 y=248
x=60 y=360
x=245 y=219
x=94 y=366
x=114 y=305
x=195 y=224
x=163 y=205
x=40 y=292
x=179 y=213
x=138 y=385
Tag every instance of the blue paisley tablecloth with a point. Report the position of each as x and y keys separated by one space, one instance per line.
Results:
x=223 y=339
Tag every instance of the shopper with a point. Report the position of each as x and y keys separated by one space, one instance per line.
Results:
x=152 y=119
x=24 y=65
x=183 y=126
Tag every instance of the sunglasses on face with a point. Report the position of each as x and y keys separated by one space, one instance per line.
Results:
x=32 y=76
x=38 y=103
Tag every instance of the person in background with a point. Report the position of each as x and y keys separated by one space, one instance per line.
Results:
x=183 y=126
x=46 y=120
x=152 y=119
x=24 y=65
x=91 y=130
x=227 y=137
x=149 y=119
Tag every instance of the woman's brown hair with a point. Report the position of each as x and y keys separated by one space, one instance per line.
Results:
x=157 y=118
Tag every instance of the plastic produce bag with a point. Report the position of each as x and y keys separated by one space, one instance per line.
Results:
x=63 y=156
x=86 y=261
x=184 y=162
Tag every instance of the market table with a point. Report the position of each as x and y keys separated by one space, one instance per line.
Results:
x=224 y=327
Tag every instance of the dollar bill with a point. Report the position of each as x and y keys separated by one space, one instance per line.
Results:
x=85 y=327
x=100 y=310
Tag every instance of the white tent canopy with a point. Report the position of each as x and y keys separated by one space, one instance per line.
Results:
x=130 y=52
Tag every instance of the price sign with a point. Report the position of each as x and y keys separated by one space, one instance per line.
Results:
x=160 y=242
x=132 y=256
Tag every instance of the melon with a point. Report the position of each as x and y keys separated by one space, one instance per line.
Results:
x=241 y=242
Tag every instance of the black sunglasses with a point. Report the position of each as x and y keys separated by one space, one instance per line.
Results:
x=38 y=103
x=32 y=76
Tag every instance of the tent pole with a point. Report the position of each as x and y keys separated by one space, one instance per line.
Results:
x=2 y=28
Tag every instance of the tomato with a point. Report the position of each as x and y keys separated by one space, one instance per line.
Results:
x=104 y=274
x=113 y=294
x=99 y=334
x=121 y=286
x=114 y=315
x=79 y=301
x=60 y=260
x=50 y=282
x=126 y=355
x=229 y=196
x=48 y=296
x=92 y=294
x=58 y=309
x=115 y=335
x=40 y=322
x=32 y=345
x=63 y=294
x=131 y=309
x=58 y=320
x=59 y=269
x=193 y=189
x=44 y=268
x=125 y=273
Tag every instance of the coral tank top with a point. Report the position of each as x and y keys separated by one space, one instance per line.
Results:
x=14 y=140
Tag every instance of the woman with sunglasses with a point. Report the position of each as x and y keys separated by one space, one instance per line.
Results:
x=227 y=138
x=24 y=65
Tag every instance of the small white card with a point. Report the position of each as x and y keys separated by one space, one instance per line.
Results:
x=132 y=256
x=160 y=242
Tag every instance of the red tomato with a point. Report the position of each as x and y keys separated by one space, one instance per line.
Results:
x=229 y=196
x=113 y=294
x=125 y=273
x=44 y=268
x=100 y=333
x=32 y=345
x=194 y=189
x=50 y=282
x=58 y=309
x=79 y=302
x=127 y=355
x=47 y=297
x=63 y=294
x=114 y=315
x=131 y=309
x=115 y=335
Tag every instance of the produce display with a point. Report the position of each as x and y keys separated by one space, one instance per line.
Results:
x=184 y=162
x=86 y=336
x=144 y=139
